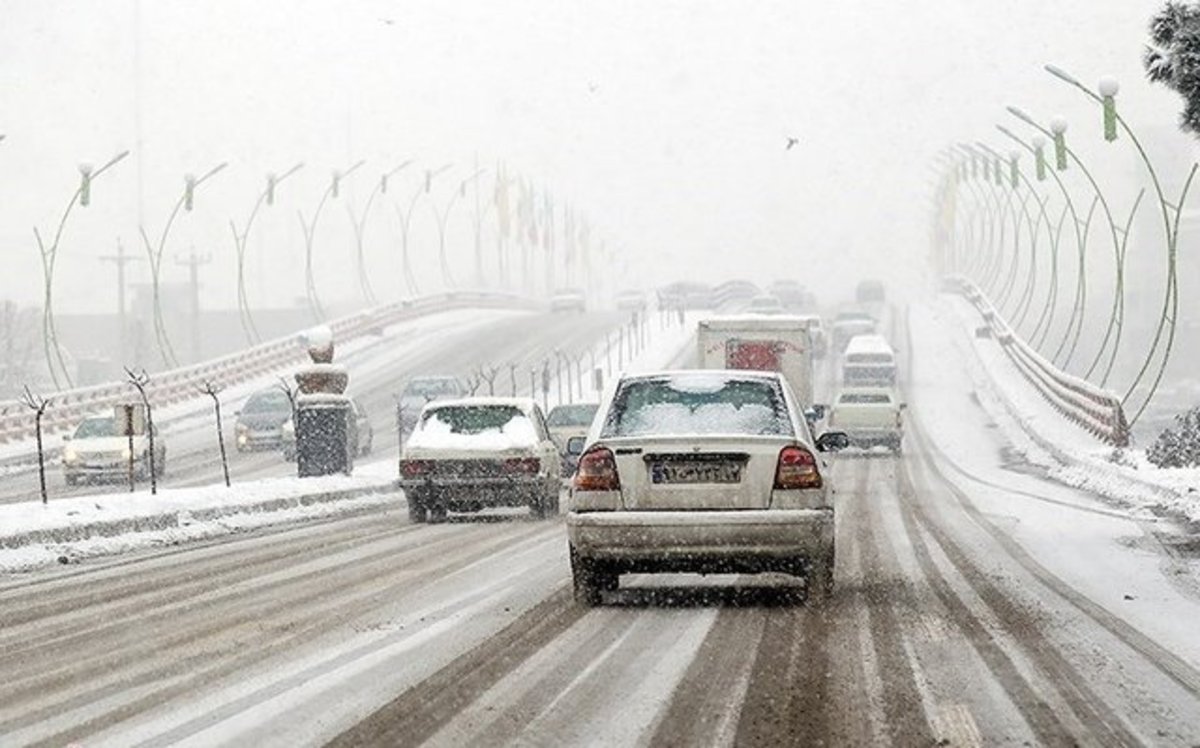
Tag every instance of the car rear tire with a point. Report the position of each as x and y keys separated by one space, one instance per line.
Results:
x=590 y=578
x=416 y=513
x=545 y=505
x=819 y=578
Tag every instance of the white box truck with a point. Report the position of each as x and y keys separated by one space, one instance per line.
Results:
x=781 y=343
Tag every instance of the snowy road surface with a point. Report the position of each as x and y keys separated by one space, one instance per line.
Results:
x=977 y=603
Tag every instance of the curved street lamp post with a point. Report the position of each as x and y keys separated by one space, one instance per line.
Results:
x=310 y=231
x=266 y=197
x=1171 y=214
x=405 y=217
x=360 y=223
x=49 y=255
x=155 y=253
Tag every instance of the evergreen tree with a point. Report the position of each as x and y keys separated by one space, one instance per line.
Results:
x=1180 y=447
x=1173 y=57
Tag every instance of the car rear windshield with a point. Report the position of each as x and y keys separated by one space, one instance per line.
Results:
x=472 y=419
x=698 y=405
x=865 y=397
x=572 y=415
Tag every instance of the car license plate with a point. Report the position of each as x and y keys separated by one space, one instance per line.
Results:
x=695 y=472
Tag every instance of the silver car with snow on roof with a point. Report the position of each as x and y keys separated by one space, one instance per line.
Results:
x=712 y=471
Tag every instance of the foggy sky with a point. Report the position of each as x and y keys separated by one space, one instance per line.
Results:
x=664 y=122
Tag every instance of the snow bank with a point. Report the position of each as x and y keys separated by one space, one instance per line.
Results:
x=33 y=534
x=945 y=331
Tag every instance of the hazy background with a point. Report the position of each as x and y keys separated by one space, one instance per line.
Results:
x=665 y=122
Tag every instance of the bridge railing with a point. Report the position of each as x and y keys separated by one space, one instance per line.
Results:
x=1096 y=410
x=67 y=407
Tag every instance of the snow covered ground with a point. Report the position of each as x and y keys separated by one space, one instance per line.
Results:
x=943 y=331
x=65 y=530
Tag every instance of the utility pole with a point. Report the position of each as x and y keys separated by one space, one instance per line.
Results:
x=120 y=259
x=193 y=262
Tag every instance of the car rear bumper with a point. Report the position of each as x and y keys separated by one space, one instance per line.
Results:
x=873 y=437
x=679 y=540
x=261 y=440
x=474 y=492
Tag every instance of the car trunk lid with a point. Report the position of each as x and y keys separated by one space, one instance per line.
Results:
x=697 y=473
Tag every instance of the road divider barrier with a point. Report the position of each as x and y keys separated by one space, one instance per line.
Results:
x=1098 y=411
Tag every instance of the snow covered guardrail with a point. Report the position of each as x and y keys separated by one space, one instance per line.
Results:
x=170 y=387
x=1095 y=409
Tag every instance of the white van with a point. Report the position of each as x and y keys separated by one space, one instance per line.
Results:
x=781 y=343
x=868 y=361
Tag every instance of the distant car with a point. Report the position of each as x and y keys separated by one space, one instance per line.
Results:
x=711 y=471
x=764 y=304
x=259 y=423
x=96 y=451
x=469 y=454
x=870 y=416
x=362 y=435
x=848 y=325
x=631 y=301
x=685 y=295
x=568 y=300
x=566 y=421
x=791 y=294
x=869 y=292
x=423 y=390
x=820 y=339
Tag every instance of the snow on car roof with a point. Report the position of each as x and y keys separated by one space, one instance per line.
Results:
x=524 y=403
x=723 y=374
x=868 y=344
x=759 y=321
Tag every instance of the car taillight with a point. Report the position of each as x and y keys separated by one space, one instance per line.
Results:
x=522 y=466
x=597 y=471
x=415 y=468
x=797 y=468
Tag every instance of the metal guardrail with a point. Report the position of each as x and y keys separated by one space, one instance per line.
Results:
x=1098 y=411
x=170 y=387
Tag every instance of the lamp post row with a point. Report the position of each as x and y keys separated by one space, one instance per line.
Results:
x=977 y=244
x=55 y=355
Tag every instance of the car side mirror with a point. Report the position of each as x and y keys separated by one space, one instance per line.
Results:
x=575 y=446
x=903 y=406
x=815 y=412
x=832 y=441
x=66 y=437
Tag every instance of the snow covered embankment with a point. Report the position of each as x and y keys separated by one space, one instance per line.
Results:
x=33 y=535
x=945 y=331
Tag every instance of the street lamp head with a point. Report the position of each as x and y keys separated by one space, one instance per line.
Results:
x=1058 y=125
x=1039 y=141
x=1108 y=86
x=85 y=184
x=1013 y=155
x=189 y=191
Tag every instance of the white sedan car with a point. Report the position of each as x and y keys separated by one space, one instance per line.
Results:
x=474 y=453
x=708 y=471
